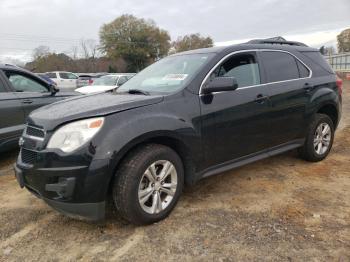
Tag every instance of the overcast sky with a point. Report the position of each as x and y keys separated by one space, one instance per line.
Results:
x=59 y=24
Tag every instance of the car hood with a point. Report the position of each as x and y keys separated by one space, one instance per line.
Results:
x=80 y=107
x=94 y=89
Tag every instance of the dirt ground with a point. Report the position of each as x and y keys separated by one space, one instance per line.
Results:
x=278 y=209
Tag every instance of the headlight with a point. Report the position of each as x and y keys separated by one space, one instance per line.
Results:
x=74 y=135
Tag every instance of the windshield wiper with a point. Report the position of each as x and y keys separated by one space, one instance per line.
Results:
x=138 y=91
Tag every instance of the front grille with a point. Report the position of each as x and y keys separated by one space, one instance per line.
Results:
x=34 y=131
x=28 y=156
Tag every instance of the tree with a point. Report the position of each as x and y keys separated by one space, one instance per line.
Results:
x=51 y=62
x=190 y=42
x=344 y=41
x=138 y=41
x=41 y=51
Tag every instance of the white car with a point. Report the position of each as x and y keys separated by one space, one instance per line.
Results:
x=105 y=83
x=64 y=80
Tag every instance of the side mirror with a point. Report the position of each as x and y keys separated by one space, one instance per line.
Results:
x=53 y=89
x=219 y=84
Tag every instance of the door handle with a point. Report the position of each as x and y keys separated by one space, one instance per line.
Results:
x=308 y=88
x=27 y=101
x=261 y=98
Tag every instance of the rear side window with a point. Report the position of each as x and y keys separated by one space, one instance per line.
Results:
x=68 y=76
x=317 y=58
x=244 y=67
x=51 y=75
x=279 y=66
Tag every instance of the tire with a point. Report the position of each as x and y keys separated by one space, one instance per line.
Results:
x=311 y=152
x=139 y=180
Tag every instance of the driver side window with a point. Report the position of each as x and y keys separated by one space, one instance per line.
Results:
x=23 y=83
x=244 y=67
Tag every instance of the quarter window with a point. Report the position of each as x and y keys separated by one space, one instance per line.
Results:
x=303 y=71
x=244 y=67
x=279 y=66
x=22 y=83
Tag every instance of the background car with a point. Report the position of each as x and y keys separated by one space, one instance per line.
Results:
x=20 y=93
x=47 y=79
x=105 y=83
x=86 y=79
x=64 y=80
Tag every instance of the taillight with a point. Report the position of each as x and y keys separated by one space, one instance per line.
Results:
x=339 y=83
x=91 y=81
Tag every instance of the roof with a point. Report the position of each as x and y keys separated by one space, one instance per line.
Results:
x=271 y=43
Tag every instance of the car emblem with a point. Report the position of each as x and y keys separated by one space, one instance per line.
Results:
x=21 y=141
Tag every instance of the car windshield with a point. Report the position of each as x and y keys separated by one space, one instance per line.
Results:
x=105 y=81
x=167 y=75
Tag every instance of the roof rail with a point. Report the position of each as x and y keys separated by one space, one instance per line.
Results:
x=11 y=65
x=276 y=41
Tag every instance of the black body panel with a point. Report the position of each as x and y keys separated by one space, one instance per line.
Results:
x=211 y=132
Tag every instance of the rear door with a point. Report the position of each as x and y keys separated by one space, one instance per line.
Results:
x=11 y=115
x=288 y=82
x=236 y=123
x=31 y=91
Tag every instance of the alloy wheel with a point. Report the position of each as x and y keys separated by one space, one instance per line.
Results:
x=322 y=138
x=157 y=187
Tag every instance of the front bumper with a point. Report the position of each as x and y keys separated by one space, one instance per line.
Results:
x=76 y=191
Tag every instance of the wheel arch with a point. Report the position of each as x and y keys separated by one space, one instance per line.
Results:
x=330 y=110
x=166 y=138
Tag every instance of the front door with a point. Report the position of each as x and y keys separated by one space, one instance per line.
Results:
x=11 y=116
x=236 y=123
x=31 y=92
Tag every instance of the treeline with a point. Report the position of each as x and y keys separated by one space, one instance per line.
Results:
x=127 y=44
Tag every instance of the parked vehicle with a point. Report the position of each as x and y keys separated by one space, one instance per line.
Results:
x=186 y=117
x=64 y=80
x=20 y=93
x=105 y=83
x=86 y=79
x=47 y=79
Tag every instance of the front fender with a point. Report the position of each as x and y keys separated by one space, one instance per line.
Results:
x=125 y=130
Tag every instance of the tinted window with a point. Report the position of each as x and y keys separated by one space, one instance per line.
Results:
x=23 y=83
x=243 y=67
x=51 y=75
x=279 y=66
x=317 y=58
x=303 y=71
x=68 y=76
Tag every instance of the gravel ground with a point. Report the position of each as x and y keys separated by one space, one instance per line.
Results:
x=278 y=209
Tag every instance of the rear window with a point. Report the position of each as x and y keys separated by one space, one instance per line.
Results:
x=317 y=58
x=279 y=66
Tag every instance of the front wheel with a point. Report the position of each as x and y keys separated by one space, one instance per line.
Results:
x=148 y=184
x=319 y=139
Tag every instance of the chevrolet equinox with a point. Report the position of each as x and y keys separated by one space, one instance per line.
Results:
x=188 y=116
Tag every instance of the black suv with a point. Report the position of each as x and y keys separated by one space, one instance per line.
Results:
x=188 y=116
x=20 y=93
